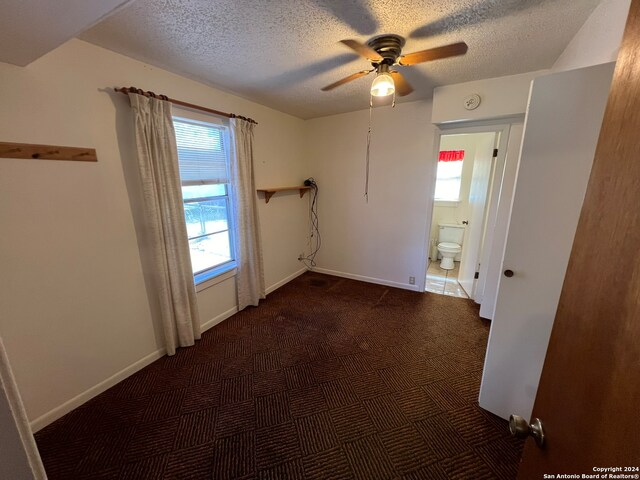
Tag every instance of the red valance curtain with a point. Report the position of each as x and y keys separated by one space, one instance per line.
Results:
x=451 y=155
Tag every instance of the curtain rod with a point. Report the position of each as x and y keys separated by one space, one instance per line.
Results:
x=181 y=103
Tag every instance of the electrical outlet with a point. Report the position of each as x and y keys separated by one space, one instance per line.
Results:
x=412 y=280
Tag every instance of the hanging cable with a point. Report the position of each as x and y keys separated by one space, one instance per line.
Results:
x=368 y=160
x=315 y=240
x=366 y=181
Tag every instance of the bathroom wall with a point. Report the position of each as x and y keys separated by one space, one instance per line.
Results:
x=446 y=212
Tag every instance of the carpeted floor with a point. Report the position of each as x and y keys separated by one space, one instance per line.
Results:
x=328 y=379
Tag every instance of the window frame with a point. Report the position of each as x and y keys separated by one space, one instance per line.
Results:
x=215 y=274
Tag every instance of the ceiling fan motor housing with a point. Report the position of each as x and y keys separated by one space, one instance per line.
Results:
x=389 y=47
x=385 y=51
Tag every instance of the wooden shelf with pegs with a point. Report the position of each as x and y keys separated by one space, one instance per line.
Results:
x=268 y=192
x=46 y=152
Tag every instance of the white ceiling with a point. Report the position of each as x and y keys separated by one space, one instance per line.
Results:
x=31 y=28
x=281 y=53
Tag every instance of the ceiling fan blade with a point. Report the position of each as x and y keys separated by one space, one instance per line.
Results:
x=363 y=50
x=402 y=86
x=347 y=80
x=447 y=51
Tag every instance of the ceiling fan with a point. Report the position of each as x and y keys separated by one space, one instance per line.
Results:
x=384 y=52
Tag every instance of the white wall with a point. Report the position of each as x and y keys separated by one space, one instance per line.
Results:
x=76 y=316
x=383 y=240
x=598 y=40
x=502 y=97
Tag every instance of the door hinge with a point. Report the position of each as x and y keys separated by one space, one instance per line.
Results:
x=476 y=275
x=495 y=152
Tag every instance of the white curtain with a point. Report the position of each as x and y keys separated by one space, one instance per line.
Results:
x=250 y=276
x=158 y=166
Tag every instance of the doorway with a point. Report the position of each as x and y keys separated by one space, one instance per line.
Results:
x=464 y=186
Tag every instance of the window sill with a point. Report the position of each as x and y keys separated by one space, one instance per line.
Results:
x=446 y=203
x=214 y=276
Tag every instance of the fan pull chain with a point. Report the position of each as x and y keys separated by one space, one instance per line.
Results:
x=366 y=181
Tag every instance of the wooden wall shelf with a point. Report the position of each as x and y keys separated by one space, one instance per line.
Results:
x=46 y=152
x=268 y=192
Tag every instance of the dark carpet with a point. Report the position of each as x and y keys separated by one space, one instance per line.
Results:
x=328 y=379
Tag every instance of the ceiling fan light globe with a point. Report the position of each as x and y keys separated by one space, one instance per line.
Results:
x=382 y=85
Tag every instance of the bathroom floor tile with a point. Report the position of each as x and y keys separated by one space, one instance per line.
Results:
x=432 y=289
x=444 y=282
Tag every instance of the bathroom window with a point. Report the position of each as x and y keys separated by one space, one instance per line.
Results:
x=449 y=176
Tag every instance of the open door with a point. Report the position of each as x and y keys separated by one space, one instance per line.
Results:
x=590 y=386
x=480 y=179
x=560 y=136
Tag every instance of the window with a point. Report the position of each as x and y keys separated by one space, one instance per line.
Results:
x=449 y=176
x=203 y=155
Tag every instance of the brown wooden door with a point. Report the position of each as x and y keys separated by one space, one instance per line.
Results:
x=589 y=394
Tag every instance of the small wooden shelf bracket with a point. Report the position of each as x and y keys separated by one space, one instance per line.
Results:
x=269 y=192
x=47 y=152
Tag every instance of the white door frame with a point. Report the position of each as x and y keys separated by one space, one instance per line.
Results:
x=19 y=457
x=499 y=127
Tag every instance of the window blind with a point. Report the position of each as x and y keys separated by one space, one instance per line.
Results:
x=202 y=153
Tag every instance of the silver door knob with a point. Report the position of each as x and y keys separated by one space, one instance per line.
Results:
x=520 y=428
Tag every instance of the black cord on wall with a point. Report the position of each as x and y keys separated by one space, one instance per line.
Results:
x=310 y=260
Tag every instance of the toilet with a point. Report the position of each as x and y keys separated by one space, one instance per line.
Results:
x=450 y=237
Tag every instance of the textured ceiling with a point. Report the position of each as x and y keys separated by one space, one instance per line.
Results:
x=282 y=52
x=31 y=28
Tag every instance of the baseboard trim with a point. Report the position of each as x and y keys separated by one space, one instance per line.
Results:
x=285 y=280
x=362 y=278
x=218 y=319
x=54 y=414
x=57 y=412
